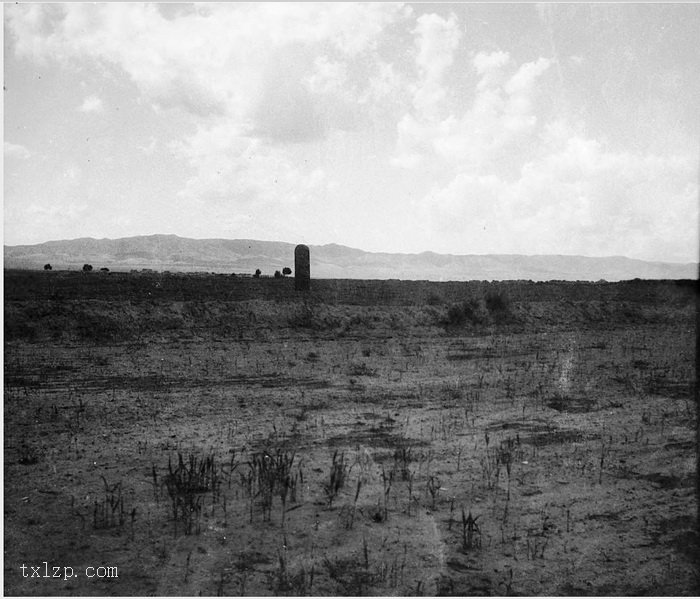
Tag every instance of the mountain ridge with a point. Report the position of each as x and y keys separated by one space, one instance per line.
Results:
x=175 y=253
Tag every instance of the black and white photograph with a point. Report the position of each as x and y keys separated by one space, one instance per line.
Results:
x=351 y=299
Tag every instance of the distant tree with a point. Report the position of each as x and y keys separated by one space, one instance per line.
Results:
x=278 y=274
x=48 y=267
x=286 y=271
x=87 y=267
x=104 y=269
x=257 y=274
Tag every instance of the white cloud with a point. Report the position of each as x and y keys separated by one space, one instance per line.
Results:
x=384 y=84
x=91 y=104
x=261 y=87
x=467 y=200
x=66 y=212
x=211 y=60
x=253 y=78
x=72 y=173
x=328 y=76
x=436 y=41
x=16 y=151
x=579 y=197
x=487 y=62
x=518 y=112
x=250 y=188
x=150 y=148
x=242 y=172
x=491 y=131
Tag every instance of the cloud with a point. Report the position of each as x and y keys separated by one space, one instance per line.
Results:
x=249 y=187
x=91 y=104
x=65 y=212
x=286 y=108
x=16 y=151
x=211 y=60
x=488 y=62
x=383 y=84
x=518 y=111
x=72 y=174
x=251 y=77
x=514 y=181
x=328 y=76
x=493 y=130
x=241 y=172
x=256 y=89
x=436 y=41
x=467 y=202
x=150 y=148
x=578 y=197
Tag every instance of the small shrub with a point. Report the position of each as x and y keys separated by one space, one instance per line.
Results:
x=497 y=301
x=470 y=311
x=455 y=315
x=434 y=299
x=303 y=317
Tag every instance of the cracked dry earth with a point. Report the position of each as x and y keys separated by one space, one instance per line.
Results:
x=487 y=461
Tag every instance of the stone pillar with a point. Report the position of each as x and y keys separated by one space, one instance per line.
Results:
x=302 y=268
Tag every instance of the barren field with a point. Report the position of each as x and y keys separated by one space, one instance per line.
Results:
x=181 y=435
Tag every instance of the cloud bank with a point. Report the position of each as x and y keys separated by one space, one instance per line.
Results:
x=482 y=137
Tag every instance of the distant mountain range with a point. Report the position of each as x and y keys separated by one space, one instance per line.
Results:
x=173 y=253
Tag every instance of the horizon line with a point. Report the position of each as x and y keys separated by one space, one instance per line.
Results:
x=244 y=239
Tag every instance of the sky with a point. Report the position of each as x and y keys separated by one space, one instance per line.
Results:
x=456 y=128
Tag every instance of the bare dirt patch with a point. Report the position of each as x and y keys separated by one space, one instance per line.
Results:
x=243 y=444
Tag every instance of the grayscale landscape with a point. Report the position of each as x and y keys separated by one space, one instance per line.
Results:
x=172 y=253
x=350 y=299
x=227 y=435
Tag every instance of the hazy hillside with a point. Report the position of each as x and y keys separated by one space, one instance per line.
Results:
x=170 y=252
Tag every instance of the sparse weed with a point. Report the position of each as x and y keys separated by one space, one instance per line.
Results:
x=433 y=486
x=270 y=473
x=348 y=513
x=490 y=468
x=110 y=512
x=337 y=477
x=471 y=533
x=187 y=483
x=403 y=456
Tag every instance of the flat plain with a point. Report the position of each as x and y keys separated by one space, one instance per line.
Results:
x=219 y=435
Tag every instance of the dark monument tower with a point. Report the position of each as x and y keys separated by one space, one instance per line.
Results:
x=302 y=268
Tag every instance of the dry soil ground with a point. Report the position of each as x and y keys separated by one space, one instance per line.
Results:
x=229 y=437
